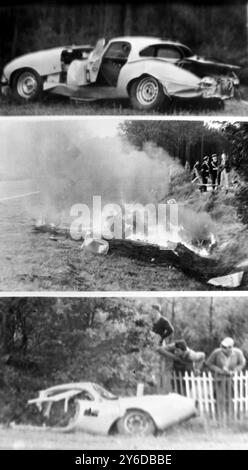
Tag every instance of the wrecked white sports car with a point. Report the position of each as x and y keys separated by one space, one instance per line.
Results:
x=88 y=407
x=148 y=71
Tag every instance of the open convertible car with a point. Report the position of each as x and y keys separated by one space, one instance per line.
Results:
x=148 y=71
x=88 y=407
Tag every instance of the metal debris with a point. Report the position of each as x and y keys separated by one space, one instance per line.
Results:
x=231 y=280
x=95 y=246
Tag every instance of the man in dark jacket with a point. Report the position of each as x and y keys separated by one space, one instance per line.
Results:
x=205 y=173
x=161 y=325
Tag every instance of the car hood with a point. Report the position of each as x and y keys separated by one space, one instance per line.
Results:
x=216 y=63
x=44 y=62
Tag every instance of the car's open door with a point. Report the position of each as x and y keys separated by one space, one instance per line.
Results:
x=94 y=60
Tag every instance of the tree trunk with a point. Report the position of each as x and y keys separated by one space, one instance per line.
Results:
x=15 y=34
x=127 y=19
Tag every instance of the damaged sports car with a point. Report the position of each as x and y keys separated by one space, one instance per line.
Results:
x=150 y=72
x=88 y=407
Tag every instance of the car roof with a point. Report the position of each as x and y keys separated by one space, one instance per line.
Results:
x=71 y=385
x=141 y=42
x=146 y=40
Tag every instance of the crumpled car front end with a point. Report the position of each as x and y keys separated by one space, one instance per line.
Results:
x=219 y=86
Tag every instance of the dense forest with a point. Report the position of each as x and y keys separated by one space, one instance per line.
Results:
x=212 y=30
x=46 y=341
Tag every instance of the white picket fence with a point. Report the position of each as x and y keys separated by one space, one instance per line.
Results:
x=220 y=398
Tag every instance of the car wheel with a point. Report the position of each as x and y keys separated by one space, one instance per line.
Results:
x=27 y=85
x=147 y=94
x=136 y=422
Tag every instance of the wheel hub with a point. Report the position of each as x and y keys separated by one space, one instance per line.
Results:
x=147 y=91
x=136 y=423
x=26 y=86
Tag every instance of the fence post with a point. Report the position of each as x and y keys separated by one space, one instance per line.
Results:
x=140 y=389
x=165 y=375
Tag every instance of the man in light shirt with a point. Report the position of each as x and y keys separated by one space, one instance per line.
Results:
x=226 y=359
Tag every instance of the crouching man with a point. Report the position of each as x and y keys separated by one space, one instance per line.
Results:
x=178 y=358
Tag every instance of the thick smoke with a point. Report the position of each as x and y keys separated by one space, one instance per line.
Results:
x=71 y=165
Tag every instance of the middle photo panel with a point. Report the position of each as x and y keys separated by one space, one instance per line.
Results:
x=110 y=204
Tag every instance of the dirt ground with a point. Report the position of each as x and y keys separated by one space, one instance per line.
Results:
x=57 y=105
x=178 y=439
x=33 y=262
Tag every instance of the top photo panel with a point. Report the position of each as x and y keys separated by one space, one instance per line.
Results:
x=124 y=58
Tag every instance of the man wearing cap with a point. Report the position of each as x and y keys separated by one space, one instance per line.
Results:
x=223 y=362
x=184 y=358
x=226 y=359
x=161 y=325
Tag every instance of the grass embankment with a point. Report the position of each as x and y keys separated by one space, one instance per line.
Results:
x=56 y=105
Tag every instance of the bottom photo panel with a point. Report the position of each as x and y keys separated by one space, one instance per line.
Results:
x=124 y=373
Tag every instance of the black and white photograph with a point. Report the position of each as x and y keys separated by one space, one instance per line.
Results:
x=123 y=231
x=124 y=373
x=123 y=205
x=124 y=58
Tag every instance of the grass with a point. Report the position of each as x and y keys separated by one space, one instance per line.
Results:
x=54 y=105
x=180 y=437
x=32 y=261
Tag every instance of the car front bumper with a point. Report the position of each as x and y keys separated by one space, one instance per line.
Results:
x=4 y=85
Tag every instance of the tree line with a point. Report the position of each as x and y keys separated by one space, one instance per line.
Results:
x=209 y=29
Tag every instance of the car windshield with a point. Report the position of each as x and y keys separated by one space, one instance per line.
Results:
x=104 y=393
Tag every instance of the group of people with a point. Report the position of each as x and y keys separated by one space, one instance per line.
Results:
x=224 y=360
x=212 y=172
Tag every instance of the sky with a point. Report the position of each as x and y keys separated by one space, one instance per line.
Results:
x=19 y=146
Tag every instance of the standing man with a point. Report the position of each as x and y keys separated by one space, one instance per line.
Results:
x=161 y=325
x=223 y=172
x=224 y=362
x=226 y=359
x=214 y=170
x=205 y=173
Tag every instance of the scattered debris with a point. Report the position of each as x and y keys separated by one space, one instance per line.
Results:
x=96 y=246
x=231 y=280
x=204 y=261
x=52 y=237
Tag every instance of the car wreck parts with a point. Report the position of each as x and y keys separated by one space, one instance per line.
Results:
x=209 y=267
x=150 y=72
x=88 y=407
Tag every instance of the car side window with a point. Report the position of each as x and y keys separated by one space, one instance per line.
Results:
x=84 y=394
x=118 y=50
x=166 y=52
x=148 y=52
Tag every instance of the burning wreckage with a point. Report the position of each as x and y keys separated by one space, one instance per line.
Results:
x=203 y=258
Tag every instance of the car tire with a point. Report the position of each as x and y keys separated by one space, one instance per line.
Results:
x=136 y=422
x=27 y=85
x=147 y=94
